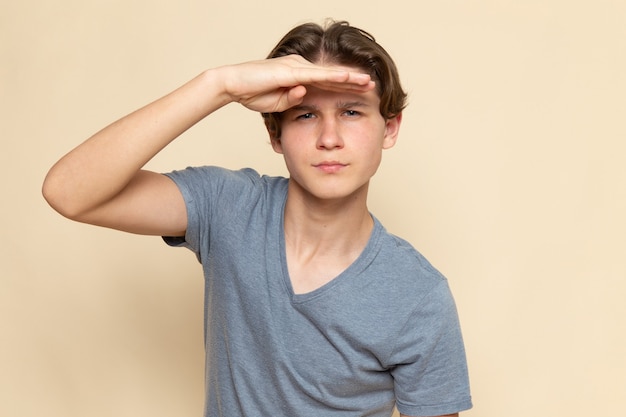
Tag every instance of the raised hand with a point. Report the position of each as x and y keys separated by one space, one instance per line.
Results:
x=274 y=85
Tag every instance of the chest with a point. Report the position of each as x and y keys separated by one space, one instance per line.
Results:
x=306 y=276
x=311 y=268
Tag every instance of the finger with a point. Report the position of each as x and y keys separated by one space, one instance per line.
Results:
x=290 y=98
x=296 y=95
x=325 y=75
x=345 y=87
x=305 y=72
x=350 y=77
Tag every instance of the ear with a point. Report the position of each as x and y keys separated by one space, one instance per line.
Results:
x=276 y=144
x=392 y=129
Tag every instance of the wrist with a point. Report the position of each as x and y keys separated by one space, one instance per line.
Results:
x=222 y=80
x=214 y=86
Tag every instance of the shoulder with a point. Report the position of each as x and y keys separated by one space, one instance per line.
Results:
x=213 y=173
x=404 y=262
x=218 y=180
x=218 y=200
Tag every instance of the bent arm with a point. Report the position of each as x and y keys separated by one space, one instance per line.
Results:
x=101 y=182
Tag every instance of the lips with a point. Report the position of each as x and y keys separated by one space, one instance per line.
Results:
x=330 y=167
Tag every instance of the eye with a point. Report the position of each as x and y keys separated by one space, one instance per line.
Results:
x=351 y=113
x=305 y=116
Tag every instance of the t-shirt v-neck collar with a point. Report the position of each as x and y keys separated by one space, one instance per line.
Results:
x=351 y=272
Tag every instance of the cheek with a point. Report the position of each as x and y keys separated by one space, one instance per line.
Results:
x=370 y=153
x=294 y=153
x=372 y=139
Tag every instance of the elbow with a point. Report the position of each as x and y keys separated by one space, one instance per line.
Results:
x=50 y=192
x=58 y=197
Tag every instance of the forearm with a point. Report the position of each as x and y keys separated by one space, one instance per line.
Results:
x=101 y=167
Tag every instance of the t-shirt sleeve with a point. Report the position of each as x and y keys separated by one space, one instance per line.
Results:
x=430 y=372
x=211 y=194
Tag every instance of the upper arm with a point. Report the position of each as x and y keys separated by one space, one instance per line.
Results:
x=151 y=204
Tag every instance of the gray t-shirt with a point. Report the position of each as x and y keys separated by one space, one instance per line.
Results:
x=383 y=332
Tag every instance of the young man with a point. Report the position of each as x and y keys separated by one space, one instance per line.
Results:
x=313 y=309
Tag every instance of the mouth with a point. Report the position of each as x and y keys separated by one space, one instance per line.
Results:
x=330 y=167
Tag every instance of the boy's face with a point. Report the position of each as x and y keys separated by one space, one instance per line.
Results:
x=333 y=141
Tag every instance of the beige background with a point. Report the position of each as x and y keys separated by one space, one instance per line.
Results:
x=509 y=175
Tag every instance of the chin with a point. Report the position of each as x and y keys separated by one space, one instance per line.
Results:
x=339 y=195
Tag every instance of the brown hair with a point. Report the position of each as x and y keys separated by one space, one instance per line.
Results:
x=341 y=44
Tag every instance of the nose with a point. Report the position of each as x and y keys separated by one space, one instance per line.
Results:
x=329 y=136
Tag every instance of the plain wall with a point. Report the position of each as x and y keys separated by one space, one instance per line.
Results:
x=509 y=176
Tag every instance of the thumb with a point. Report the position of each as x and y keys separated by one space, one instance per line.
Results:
x=295 y=95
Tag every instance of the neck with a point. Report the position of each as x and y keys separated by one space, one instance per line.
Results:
x=340 y=227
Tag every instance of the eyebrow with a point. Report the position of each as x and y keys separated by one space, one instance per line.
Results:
x=339 y=105
x=349 y=104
